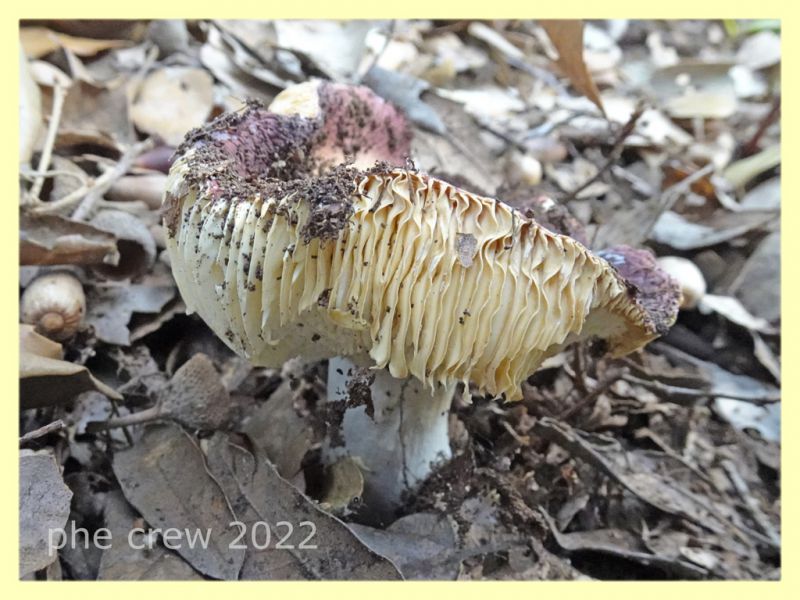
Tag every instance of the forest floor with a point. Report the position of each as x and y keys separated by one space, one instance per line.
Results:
x=661 y=465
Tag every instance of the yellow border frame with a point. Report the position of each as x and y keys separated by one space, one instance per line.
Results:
x=13 y=11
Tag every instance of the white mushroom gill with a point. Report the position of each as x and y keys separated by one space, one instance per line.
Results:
x=426 y=279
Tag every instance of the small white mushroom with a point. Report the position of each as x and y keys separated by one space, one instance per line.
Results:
x=688 y=276
x=54 y=304
x=523 y=168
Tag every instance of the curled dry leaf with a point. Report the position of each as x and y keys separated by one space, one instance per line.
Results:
x=39 y=41
x=110 y=308
x=760 y=51
x=624 y=544
x=97 y=115
x=173 y=100
x=744 y=170
x=137 y=248
x=194 y=397
x=336 y=47
x=54 y=240
x=45 y=381
x=734 y=311
x=44 y=503
x=35 y=343
x=567 y=37
x=678 y=232
x=404 y=91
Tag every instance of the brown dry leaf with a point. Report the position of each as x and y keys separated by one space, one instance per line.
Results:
x=623 y=544
x=165 y=478
x=48 y=381
x=680 y=233
x=40 y=41
x=55 y=240
x=30 y=341
x=284 y=435
x=44 y=503
x=422 y=545
x=192 y=489
x=173 y=100
x=96 y=115
x=567 y=37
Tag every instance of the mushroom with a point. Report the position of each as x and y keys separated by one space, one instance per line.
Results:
x=194 y=397
x=688 y=276
x=289 y=240
x=55 y=304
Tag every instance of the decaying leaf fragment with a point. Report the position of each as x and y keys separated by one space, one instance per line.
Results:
x=44 y=505
x=55 y=240
x=45 y=379
x=235 y=483
x=567 y=37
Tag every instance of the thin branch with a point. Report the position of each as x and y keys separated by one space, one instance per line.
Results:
x=616 y=151
x=92 y=191
x=685 y=393
x=59 y=94
x=56 y=425
x=751 y=146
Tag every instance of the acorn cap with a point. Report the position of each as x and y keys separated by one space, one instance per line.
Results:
x=419 y=276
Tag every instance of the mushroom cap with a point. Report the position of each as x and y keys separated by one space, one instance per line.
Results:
x=283 y=255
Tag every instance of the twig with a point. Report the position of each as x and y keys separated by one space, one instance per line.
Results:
x=751 y=146
x=59 y=93
x=86 y=207
x=360 y=76
x=56 y=425
x=683 y=392
x=89 y=193
x=752 y=504
x=591 y=395
x=616 y=151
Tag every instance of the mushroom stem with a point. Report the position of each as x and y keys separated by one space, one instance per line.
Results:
x=403 y=440
x=138 y=418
